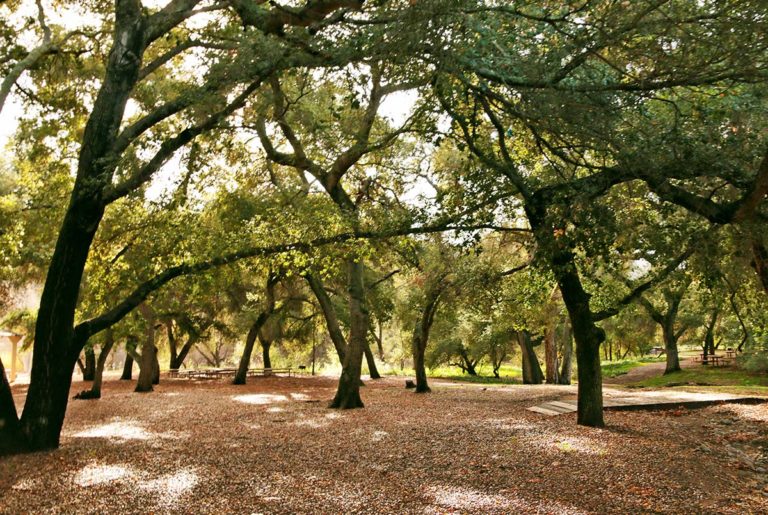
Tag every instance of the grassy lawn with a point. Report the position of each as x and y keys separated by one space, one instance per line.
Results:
x=509 y=374
x=726 y=380
x=618 y=368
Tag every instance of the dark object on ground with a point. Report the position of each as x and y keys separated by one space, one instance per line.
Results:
x=409 y=384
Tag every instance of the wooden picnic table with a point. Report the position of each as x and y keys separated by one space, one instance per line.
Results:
x=717 y=361
x=217 y=373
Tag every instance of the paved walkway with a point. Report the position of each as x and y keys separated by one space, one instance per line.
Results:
x=617 y=400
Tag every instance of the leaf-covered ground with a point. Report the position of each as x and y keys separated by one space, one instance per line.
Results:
x=273 y=447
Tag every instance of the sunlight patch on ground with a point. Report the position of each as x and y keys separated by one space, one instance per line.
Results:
x=510 y=425
x=333 y=415
x=311 y=423
x=378 y=436
x=753 y=413
x=171 y=487
x=467 y=499
x=95 y=474
x=579 y=445
x=28 y=484
x=259 y=398
x=125 y=430
x=275 y=409
x=299 y=396
x=116 y=431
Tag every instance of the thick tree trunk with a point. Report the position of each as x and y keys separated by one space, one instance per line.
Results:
x=89 y=370
x=566 y=370
x=348 y=392
x=12 y=440
x=532 y=373
x=670 y=347
x=588 y=339
x=369 y=359
x=550 y=353
x=148 y=357
x=56 y=347
x=760 y=262
x=127 y=368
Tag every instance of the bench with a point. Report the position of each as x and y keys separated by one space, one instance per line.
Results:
x=269 y=371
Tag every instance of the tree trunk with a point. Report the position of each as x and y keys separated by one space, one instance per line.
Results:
x=566 y=370
x=670 y=346
x=89 y=370
x=372 y=370
x=11 y=438
x=348 y=392
x=532 y=373
x=253 y=332
x=56 y=346
x=148 y=356
x=155 y=369
x=550 y=353
x=95 y=391
x=265 y=346
x=421 y=338
x=127 y=368
x=330 y=316
x=588 y=338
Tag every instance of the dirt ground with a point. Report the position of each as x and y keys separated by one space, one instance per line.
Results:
x=273 y=446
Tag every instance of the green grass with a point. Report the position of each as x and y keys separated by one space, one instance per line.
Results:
x=508 y=374
x=618 y=368
x=707 y=376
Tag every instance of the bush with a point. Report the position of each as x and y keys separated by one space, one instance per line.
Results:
x=755 y=361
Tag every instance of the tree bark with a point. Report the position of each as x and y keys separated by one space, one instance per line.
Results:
x=348 y=391
x=670 y=347
x=148 y=355
x=421 y=338
x=155 y=368
x=89 y=370
x=127 y=368
x=550 y=354
x=95 y=391
x=329 y=314
x=265 y=346
x=11 y=437
x=532 y=373
x=56 y=346
x=566 y=370
x=369 y=359
x=253 y=332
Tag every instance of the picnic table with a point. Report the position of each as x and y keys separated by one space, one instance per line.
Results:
x=717 y=361
x=217 y=373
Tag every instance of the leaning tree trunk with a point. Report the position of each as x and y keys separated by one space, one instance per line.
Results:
x=566 y=370
x=329 y=315
x=11 y=438
x=56 y=345
x=245 y=358
x=532 y=373
x=369 y=359
x=348 y=391
x=265 y=346
x=89 y=370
